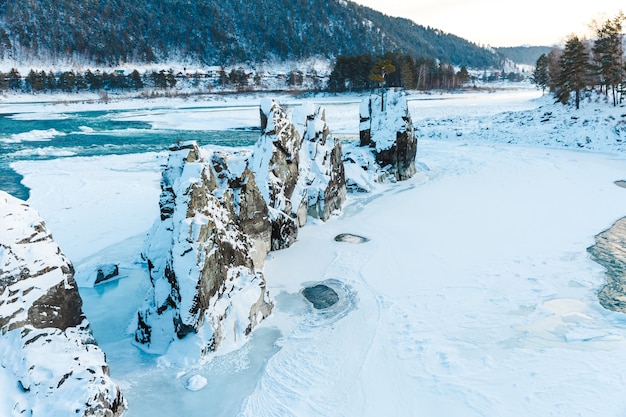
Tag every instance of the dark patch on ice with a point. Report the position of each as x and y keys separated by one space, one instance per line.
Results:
x=321 y=296
x=343 y=302
x=350 y=238
x=106 y=273
x=621 y=183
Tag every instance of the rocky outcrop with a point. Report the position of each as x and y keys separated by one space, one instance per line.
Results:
x=220 y=216
x=610 y=252
x=299 y=169
x=386 y=127
x=321 y=174
x=46 y=342
x=205 y=285
x=275 y=161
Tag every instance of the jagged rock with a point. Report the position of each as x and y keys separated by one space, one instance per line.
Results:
x=205 y=285
x=386 y=127
x=610 y=252
x=46 y=341
x=275 y=162
x=299 y=169
x=321 y=180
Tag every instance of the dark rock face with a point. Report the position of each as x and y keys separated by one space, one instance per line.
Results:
x=200 y=260
x=275 y=163
x=106 y=272
x=610 y=252
x=386 y=126
x=45 y=341
x=321 y=296
x=322 y=174
x=350 y=238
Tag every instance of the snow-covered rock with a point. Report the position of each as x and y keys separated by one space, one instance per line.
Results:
x=48 y=354
x=206 y=289
x=298 y=167
x=321 y=176
x=275 y=163
x=386 y=126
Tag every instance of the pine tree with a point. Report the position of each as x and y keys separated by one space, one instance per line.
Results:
x=608 y=52
x=574 y=63
x=541 y=76
x=15 y=80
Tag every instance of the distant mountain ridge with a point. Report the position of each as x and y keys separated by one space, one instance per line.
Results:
x=527 y=55
x=217 y=32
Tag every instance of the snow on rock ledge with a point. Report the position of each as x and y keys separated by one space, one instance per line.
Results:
x=206 y=289
x=386 y=126
x=299 y=169
x=47 y=352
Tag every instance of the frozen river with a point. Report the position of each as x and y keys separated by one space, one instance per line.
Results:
x=474 y=295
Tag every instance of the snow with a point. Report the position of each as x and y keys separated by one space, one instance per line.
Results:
x=32 y=136
x=474 y=295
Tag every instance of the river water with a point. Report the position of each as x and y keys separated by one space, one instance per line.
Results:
x=40 y=136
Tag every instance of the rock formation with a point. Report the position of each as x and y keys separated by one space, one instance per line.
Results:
x=299 y=169
x=387 y=128
x=46 y=342
x=610 y=252
x=220 y=216
x=321 y=176
x=205 y=284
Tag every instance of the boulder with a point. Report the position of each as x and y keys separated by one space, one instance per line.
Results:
x=386 y=127
x=205 y=284
x=46 y=342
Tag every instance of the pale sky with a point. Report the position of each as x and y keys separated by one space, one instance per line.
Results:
x=500 y=23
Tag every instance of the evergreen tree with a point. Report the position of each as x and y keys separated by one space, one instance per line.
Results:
x=35 y=81
x=554 y=68
x=463 y=75
x=14 y=79
x=379 y=73
x=574 y=63
x=608 y=52
x=4 y=81
x=541 y=75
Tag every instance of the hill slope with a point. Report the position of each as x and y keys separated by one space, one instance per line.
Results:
x=216 y=32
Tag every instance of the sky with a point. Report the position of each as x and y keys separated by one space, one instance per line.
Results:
x=497 y=23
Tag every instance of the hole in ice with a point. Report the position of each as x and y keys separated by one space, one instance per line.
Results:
x=321 y=296
x=621 y=183
x=350 y=238
x=196 y=382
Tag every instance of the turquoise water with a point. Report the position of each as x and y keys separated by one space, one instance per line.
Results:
x=91 y=133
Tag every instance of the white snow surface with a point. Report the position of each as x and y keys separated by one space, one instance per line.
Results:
x=474 y=296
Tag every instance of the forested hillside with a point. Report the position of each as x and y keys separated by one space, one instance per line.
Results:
x=223 y=32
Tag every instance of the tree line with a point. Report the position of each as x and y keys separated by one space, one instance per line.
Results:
x=355 y=73
x=597 y=64
x=73 y=81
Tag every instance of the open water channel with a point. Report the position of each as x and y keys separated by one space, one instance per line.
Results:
x=41 y=135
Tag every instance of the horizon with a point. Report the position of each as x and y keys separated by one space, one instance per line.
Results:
x=486 y=22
